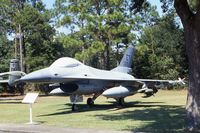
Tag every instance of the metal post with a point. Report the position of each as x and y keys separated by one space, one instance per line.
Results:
x=20 y=45
x=15 y=47
x=31 y=120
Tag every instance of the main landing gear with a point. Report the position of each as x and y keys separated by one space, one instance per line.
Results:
x=120 y=101
x=90 y=101
x=77 y=98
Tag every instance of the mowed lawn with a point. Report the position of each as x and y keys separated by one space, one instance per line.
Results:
x=163 y=113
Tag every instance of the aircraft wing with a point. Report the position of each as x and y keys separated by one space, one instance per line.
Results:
x=142 y=81
x=3 y=81
x=13 y=73
x=43 y=76
x=161 y=81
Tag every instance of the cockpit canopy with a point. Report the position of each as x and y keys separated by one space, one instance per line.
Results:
x=66 y=62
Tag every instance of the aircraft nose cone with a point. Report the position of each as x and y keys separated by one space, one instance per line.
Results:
x=41 y=76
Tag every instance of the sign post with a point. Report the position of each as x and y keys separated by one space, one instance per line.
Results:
x=30 y=99
x=31 y=117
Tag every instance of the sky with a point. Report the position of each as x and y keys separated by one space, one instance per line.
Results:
x=48 y=3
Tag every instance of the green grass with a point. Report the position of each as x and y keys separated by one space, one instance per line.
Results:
x=163 y=113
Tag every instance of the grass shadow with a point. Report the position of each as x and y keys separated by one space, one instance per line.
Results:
x=11 y=102
x=113 y=105
x=158 y=118
x=81 y=108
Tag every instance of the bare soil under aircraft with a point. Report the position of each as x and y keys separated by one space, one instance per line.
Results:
x=163 y=113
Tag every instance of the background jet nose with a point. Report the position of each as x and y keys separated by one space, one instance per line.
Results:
x=42 y=75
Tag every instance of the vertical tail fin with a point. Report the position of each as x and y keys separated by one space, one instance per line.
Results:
x=126 y=62
x=14 y=66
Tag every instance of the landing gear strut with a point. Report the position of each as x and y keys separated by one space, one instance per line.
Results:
x=120 y=101
x=74 y=99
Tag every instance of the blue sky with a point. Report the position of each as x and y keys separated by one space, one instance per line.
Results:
x=48 y=3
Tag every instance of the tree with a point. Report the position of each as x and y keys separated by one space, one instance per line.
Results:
x=160 y=51
x=39 y=46
x=6 y=51
x=96 y=27
x=190 y=18
x=38 y=37
x=6 y=48
x=189 y=13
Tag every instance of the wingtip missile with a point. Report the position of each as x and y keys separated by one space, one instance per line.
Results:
x=181 y=80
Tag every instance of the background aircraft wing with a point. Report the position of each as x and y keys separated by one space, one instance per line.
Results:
x=13 y=73
x=3 y=81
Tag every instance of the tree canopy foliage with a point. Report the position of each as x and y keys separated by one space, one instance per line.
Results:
x=99 y=31
x=161 y=52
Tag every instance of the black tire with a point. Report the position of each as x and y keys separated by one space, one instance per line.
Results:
x=90 y=102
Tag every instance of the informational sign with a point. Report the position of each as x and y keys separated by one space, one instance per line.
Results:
x=30 y=99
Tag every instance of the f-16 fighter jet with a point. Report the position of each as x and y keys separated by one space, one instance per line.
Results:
x=78 y=79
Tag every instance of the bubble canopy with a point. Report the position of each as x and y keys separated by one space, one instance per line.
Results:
x=66 y=62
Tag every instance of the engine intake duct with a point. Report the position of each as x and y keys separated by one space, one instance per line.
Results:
x=69 y=87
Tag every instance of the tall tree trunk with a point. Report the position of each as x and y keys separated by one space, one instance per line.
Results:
x=192 y=36
x=191 y=26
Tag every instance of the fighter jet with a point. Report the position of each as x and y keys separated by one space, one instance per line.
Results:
x=77 y=79
x=13 y=74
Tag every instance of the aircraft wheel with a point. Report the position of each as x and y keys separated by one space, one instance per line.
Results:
x=90 y=102
x=74 y=107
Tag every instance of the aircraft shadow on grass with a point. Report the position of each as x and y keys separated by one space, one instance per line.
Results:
x=159 y=118
x=108 y=107
x=81 y=108
x=11 y=102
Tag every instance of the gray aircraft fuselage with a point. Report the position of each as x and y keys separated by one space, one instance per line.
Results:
x=75 y=77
